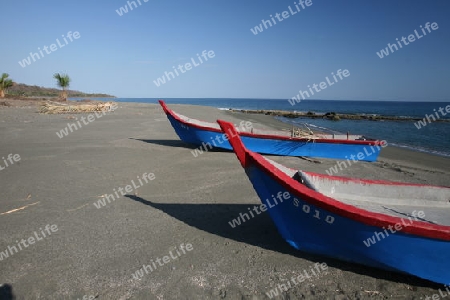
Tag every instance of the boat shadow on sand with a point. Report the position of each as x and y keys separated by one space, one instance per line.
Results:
x=169 y=143
x=6 y=292
x=261 y=232
x=178 y=144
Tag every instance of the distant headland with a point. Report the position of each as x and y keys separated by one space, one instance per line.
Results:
x=23 y=90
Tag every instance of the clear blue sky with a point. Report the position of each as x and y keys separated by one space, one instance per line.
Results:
x=123 y=55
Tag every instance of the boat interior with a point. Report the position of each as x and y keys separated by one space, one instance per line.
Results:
x=389 y=198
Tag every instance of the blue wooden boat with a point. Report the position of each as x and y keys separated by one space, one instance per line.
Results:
x=393 y=226
x=209 y=135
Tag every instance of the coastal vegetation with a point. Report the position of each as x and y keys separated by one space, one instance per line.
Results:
x=63 y=81
x=5 y=84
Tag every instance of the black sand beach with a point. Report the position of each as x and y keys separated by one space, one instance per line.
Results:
x=96 y=251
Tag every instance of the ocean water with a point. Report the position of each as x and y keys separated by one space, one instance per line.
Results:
x=433 y=138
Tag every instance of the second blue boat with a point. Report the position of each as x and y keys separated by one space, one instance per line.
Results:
x=209 y=135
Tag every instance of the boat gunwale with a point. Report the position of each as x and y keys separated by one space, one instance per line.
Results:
x=170 y=112
x=248 y=159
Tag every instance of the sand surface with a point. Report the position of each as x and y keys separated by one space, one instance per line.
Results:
x=95 y=251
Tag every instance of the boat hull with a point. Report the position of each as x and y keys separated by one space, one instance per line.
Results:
x=315 y=230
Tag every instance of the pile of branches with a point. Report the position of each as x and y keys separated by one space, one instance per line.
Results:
x=51 y=107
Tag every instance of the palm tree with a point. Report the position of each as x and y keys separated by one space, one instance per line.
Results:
x=63 y=81
x=5 y=83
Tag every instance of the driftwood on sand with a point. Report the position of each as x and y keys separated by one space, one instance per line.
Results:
x=51 y=107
